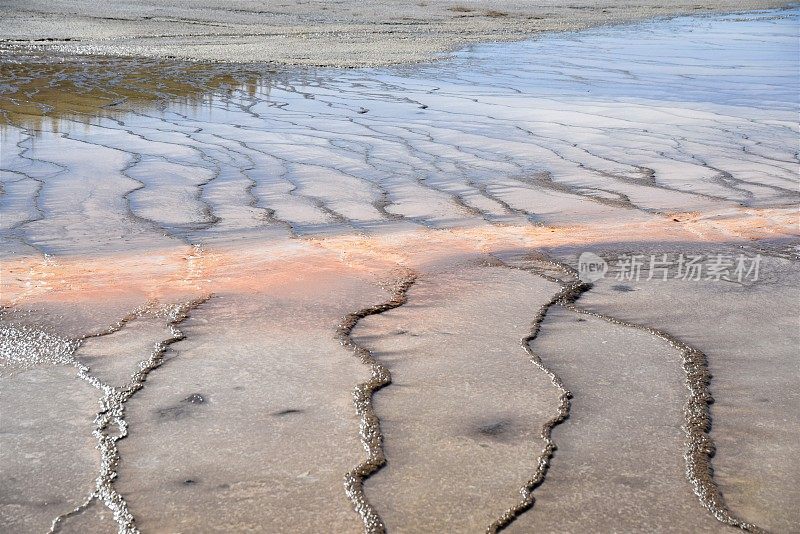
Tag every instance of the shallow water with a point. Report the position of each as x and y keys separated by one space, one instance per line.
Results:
x=264 y=208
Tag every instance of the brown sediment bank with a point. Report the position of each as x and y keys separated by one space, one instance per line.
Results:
x=350 y=33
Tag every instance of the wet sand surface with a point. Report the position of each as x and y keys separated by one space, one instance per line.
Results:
x=247 y=299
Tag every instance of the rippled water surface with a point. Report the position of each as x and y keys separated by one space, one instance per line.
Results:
x=341 y=300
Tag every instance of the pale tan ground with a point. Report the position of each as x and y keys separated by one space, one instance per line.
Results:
x=346 y=33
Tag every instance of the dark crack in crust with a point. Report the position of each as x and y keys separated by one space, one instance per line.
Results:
x=370 y=425
x=699 y=446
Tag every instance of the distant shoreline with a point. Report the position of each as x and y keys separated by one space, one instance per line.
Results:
x=347 y=34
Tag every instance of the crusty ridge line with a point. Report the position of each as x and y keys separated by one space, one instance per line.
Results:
x=369 y=424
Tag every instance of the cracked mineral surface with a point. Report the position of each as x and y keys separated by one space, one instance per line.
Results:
x=547 y=285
